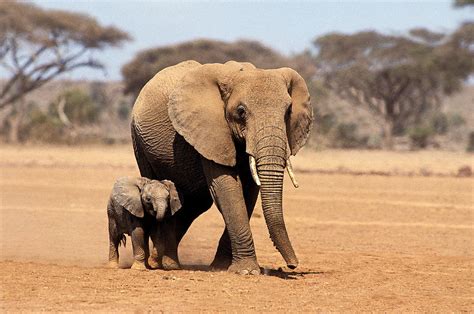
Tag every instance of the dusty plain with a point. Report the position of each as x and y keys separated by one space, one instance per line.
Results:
x=401 y=242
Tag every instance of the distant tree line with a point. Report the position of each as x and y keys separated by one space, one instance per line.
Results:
x=399 y=79
x=149 y=62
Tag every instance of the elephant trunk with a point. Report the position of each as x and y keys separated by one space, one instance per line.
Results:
x=271 y=153
x=160 y=208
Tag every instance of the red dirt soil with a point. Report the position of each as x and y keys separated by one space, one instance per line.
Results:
x=365 y=243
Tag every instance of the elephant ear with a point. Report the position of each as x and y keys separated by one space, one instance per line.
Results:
x=196 y=110
x=127 y=192
x=300 y=120
x=175 y=201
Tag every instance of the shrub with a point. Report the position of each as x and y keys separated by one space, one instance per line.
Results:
x=98 y=93
x=346 y=136
x=79 y=107
x=327 y=122
x=50 y=126
x=42 y=127
x=470 y=142
x=124 y=110
x=420 y=135
x=456 y=120
x=440 y=123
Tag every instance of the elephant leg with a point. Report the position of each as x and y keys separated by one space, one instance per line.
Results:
x=170 y=259
x=154 y=260
x=146 y=247
x=226 y=189
x=114 y=241
x=223 y=257
x=139 y=248
x=175 y=229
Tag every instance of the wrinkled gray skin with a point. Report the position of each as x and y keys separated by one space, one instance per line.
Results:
x=197 y=125
x=135 y=207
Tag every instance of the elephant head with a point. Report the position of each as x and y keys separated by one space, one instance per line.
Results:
x=269 y=111
x=140 y=195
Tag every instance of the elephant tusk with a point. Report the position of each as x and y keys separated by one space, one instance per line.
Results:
x=253 y=170
x=289 y=168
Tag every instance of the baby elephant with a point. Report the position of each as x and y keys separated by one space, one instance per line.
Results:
x=135 y=207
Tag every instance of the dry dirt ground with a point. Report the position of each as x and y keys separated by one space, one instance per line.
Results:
x=365 y=243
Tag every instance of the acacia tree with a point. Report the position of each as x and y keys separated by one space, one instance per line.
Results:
x=148 y=62
x=398 y=78
x=38 y=45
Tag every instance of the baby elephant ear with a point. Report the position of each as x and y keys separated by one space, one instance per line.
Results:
x=127 y=192
x=175 y=202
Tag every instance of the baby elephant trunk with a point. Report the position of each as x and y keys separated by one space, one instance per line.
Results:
x=161 y=207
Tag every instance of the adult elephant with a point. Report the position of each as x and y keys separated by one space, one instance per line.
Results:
x=222 y=133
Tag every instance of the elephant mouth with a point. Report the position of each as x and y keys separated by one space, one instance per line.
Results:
x=256 y=179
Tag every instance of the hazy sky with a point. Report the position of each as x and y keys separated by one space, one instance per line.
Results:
x=286 y=26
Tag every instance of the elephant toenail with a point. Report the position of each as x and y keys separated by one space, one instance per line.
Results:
x=244 y=272
x=255 y=272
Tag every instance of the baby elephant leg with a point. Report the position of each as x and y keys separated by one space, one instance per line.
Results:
x=139 y=242
x=170 y=259
x=154 y=261
x=114 y=241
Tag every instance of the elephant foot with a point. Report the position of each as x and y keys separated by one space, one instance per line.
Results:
x=112 y=265
x=169 y=263
x=138 y=265
x=248 y=266
x=221 y=263
x=153 y=263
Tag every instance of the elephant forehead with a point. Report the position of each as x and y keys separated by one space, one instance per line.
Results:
x=156 y=189
x=259 y=78
x=260 y=85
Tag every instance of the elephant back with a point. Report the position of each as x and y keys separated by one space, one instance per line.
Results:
x=154 y=96
x=160 y=151
x=150 y=119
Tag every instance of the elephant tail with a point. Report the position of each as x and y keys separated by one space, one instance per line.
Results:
x=123 y=241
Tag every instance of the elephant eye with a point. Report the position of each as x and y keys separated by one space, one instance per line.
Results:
x=241 y=112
